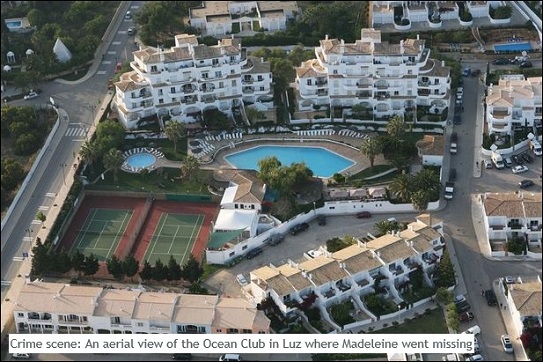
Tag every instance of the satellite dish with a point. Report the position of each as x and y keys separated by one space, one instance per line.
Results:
x=524 y=53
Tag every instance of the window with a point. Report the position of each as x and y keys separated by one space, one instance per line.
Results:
x=232 y=253
x=309 y=82
x=218 y=74
x=396 y=93
x=172 y=90
x=161 y=101
x=215 y=61
x=234 y=83
x=205 y=75
x=260 y=78
x=262 y=89
x=247 y=331
x=221 y=84
x=20 y=315
x=244 y=247
x=236 y=206
x=335 y=71
x=252 y=207
x=232 y=331
x=153 y=68
x=218 y=331
x=332 y=207
x=261 y=332
x=139 y=324
x=134 y=105
x=160 y=92
x=115 y=320
x=411 y=59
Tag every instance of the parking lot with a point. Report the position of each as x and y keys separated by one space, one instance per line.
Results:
x=293 y=248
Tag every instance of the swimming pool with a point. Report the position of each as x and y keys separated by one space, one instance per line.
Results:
x=14 y=24
x=512 y=47
x=141 y=160
x=322 y=162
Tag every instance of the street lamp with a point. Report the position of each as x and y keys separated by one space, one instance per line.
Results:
x=63 y=165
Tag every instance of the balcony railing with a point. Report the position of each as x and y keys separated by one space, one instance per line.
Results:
x=496 y=227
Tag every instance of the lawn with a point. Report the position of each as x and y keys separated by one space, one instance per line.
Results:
x=368 y=172
x=432 y=322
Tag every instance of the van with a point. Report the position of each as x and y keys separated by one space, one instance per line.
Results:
x=475 y=330
x=128 y=15
x=230 y=357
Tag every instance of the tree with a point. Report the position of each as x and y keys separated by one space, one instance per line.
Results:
x=396 y=127
x=254 y=115
x=371 y=147
x=420 y=200
x=192 y=270
x=114 y=267
x=41 y=216
x=12 y=173
x=147 y=272
x=443 y=296
x=160 y=272
x=130 y=266
x=428 y=181
x=41 y=262
x=89 y=153
x=109 y=134
x=174 y=269
x=445 y=274
x=61 y=262
x=385 y=226
x=190 y=167
x=78 y=262
x=113 y=160
x=91 y=265
x=174 y=131
x=401 y=186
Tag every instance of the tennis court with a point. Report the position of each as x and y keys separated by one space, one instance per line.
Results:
x=175 y=235
x=102 y=231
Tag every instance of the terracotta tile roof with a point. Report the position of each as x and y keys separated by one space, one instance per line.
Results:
x=431 y=145
x=323 y=270
x=527 y=298
x=512 y=205
x=357 y=259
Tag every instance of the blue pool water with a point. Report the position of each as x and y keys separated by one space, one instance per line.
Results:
x=14 y=24
x=141 y=160
x=322 y=162
x=513 y=47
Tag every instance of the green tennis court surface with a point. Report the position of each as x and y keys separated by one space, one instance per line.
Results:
x=102 y=232
x=175 y=235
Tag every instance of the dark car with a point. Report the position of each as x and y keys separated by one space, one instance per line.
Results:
x=466 y=317
x=182 y=356
x=296 y=229
x=321 y=220
x=475 y=73
x=462 y=307
x=457 y=119
x=525 y=64
x=234 y=261
x=275 y=239
x=254 y=252
x=517 y=159
x=454 y=137
x=452 y=174
x=526 y=157
x=524 y=184
x=363 y=215
x=490 y=297
x=501 y=61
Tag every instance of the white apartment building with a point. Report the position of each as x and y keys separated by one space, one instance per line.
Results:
x=385 y=79
x=352 y=271
x=226 y=17
x=61 y=308
x=524 y=303
x=430 y=12
x=189 y=78
x=513 y=102
x=509 y=214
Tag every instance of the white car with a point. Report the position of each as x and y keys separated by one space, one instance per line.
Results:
x=31 y=95
x=510 y=280
x=506 y=343
x=475 y=357
x=241 y=280
x=475 y=330
x=519 y=169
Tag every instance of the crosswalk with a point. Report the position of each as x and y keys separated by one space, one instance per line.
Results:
x=76 y=131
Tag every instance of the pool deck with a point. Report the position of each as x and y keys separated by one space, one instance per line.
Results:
x=344 y=146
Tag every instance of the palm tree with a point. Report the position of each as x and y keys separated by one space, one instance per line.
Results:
x=401 y=186
x=113 y=160
x=396 y=127
x=371 y=147
x=385 y=226
x=420 y=200
x=190 y=167
x=174 y=131
x=89 y=153
x=428 y=181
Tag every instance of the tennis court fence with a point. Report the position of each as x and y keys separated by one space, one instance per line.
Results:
x=134 y=233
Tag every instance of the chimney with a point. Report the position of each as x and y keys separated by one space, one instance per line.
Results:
x=418 y=37
x=326 y=37
x=442 y=63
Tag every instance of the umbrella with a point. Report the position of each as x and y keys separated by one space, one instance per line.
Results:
x=194 y=143
x=197 y=150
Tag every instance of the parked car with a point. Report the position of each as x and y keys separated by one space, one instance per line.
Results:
x=476 y=73
x=128 y=15
x=363 y=215
x=508 y=162
x=296 y=229
x=182 y=356
x=475 y=357
x=276 y=239
x=524 y=184
x=131 y=30
x=526 y=157
x=321 y=220
x=254 y=252
x=452 y=174
x=454 y=137
x=241 y=279
x=457 y=119
x=31 y=95
x=466 y=317
x=475 y=330
x=462 y=307
x=466 y=72
x=519 y=169
x=234 y=261
x=506 y=343
x=490 y=297
x=517 y=159
x=510 y=280
x=487 y=163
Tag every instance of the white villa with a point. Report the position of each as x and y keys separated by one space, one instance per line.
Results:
x=524 y=303
x=383 y=78
x=513 y=102
x=510 y=214
x=226 y=17
x=189 y=78
x=351 y=273
x=60 y=308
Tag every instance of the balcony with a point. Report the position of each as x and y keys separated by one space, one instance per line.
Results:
x=143 y=94
x=535 y=227
x=496 y=227
x=330 y=293
x=189 y=100
x=342 y=286
x=363 y=94
x=514 y=225
x=209 y=99
x=188 y=89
